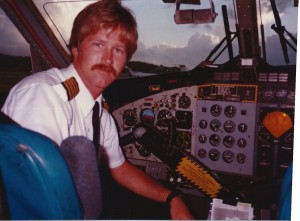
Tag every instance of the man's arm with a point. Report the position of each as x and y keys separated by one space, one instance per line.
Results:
x=144 y=185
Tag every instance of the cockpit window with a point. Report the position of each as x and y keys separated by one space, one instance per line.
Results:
x=164 y=43
x=13 y=50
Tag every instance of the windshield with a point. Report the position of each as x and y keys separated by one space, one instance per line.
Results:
x=163 y=42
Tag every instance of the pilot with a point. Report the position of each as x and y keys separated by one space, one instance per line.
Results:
x=59 y=102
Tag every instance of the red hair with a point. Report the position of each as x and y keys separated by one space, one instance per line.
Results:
x=105 y=14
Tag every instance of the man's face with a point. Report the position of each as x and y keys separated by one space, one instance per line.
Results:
x=99 y=59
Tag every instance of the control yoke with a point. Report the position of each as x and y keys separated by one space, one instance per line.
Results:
x=194 y=171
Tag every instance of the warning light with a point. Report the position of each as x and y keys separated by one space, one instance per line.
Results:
x=277 y=123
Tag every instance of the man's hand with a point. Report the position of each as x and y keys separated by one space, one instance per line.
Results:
x=178 y=210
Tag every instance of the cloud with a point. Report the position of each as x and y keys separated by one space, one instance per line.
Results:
x=195 y=50
x=281 y=5
x=274 y=52
x=198 y=48
x=13 y=43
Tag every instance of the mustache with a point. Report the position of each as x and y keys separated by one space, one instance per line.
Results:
x=103 y=67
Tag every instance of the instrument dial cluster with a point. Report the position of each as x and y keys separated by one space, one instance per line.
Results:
x=156 y=110
x=224 y=135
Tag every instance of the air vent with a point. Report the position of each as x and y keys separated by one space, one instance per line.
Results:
x=263 y=77
x=273 y=77
x=226 y=76
x=283 y=77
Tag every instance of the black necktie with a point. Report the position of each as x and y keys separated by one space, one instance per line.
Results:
x=96 y=126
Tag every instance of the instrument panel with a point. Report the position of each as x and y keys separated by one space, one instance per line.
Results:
x=228 y=127
x=225 y=136
x=178 y=103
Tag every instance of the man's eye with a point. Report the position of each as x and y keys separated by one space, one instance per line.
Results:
x=99 y=45
x=119 y=50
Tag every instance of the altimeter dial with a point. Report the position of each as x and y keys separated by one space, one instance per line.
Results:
x=130 y=117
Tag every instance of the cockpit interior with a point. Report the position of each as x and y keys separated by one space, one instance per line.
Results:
x=205 y=106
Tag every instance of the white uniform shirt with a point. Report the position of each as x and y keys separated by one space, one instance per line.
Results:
x=39 y=102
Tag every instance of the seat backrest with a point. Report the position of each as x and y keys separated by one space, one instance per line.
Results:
x=285 y=203
x=36 y=179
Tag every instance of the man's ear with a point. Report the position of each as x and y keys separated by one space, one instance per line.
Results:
x=74 y=52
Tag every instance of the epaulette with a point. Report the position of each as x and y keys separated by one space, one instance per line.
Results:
x=71 y=87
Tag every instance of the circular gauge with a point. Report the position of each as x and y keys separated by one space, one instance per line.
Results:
x=214 y=139
x=229 y=126
x=241 y=158
x=228 y=141
x=214 y=154
x=203 y=124
x=147 y=116
x=215 y=125
x=130 y=117
x=202 y=153
x=184 y=102
x=241 y=142
x=183 y=139
x=228 y=156
x=242 y=127
x=162 y=116
x=216 y=110
x=230 y=111
x=202 y=138
x=184 y=119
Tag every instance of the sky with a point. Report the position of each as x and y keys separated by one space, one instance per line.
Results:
x=161 y=41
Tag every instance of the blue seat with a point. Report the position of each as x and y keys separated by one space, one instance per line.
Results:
x=285 y=202
x=36 y=179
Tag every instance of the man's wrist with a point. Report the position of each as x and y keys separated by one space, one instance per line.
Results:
x=171 y=196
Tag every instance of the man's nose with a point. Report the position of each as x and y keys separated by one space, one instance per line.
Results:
x=108 y=57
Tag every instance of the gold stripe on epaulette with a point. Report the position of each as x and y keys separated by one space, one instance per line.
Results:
x=105 y=105
x=71 y=87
